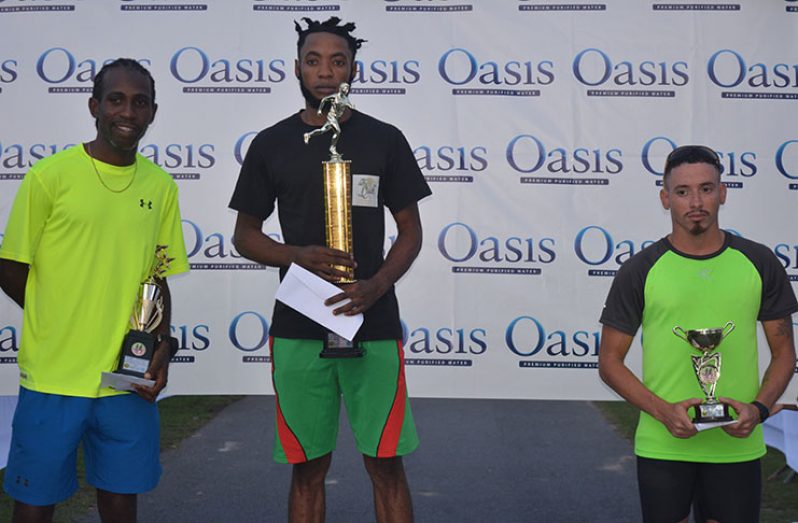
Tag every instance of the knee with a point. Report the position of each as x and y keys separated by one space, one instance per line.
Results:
x=385 y=471
x=311 y=474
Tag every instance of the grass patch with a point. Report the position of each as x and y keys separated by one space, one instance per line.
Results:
x=181 y=416
x=779 y=499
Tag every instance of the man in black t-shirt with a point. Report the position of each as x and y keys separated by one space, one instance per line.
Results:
x=279 y=167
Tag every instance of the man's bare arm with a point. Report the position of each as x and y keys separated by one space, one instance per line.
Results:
x=612 y=369
x=779 y=334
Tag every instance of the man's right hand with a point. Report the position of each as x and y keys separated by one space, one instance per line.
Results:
x=676 y=418
x=320 y=260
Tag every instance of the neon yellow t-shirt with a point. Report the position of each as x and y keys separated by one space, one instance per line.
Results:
x=88 y=249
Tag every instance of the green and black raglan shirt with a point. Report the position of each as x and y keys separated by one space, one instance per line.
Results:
x=660 y=288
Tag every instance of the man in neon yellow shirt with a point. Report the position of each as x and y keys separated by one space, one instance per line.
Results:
x=81 y=237
x=698 y=277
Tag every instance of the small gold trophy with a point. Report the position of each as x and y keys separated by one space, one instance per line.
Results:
x=139 y=344
x=707 y=369
x=337 y=207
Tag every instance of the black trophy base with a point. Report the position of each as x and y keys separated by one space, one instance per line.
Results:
x=712 y=412
x=137 y=351
x=337 y=347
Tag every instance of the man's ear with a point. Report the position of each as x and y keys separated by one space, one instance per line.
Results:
x=665 y=198
x=93 y=105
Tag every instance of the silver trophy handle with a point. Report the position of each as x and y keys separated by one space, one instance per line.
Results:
x=156 y=318
x=730 y=326
x=680 y=333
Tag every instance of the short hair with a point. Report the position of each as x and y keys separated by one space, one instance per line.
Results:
x=690 y=154
x=329 y=26
x=125 y=63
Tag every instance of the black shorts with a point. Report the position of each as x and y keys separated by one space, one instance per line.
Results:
x=727 y=492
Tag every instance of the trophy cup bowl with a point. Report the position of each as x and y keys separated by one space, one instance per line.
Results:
x=707 y=369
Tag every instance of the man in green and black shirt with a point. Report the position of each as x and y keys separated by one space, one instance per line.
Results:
x=699 y=276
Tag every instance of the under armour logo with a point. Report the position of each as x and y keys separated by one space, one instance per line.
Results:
x=705 y=274
x=148 y=204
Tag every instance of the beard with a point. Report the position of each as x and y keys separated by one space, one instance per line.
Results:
x=310 y=100
x=697 y=229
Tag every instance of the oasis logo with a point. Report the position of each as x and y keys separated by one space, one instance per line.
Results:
x=27 y=6
x=9 y=344
x=527 y=337
x=728 y=69
x=596 y=247
x=190 y=338
x=241 y=146
x=16 y=158
x=447 y=158
x=787 y=161
x=788 y=256
x=459 y=243
x=249 y=333
x=735 y=165
x=295 y=5
x=430 y=342
x=429 y=6
x=595 y=68
x=460 y=67
x=58 y=65
x=528 y=154
x=159 y=5
x=216 y=248
x=181 y=160
x=192 y=65
x=385 y=76
x=8 y=72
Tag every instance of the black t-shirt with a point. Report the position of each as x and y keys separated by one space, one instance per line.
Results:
x=279 y=167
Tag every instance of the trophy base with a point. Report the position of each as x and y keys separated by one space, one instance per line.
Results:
x=137 y=350
x=337 y=347
x=712 y=412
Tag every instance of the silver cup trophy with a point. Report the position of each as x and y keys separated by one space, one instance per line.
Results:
x=138 y=346
x=337 y=207
x=707 y=369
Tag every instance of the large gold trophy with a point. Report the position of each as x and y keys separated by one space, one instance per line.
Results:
x=337 y=181
x=337 y=207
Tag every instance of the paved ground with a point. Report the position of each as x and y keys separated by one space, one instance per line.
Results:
x=496 y=461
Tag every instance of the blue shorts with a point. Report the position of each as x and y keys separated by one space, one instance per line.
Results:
x=120 y=436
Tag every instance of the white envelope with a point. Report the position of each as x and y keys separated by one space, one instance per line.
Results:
x=305 y=292
x=712 y=424
x=123 y=381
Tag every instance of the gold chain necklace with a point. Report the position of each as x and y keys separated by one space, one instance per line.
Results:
x=99 y=177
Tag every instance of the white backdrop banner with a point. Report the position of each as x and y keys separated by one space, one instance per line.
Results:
x=541 y=127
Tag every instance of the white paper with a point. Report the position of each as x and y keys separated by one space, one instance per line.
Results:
x=123 y=381
x=305 y=292
x=711 y=425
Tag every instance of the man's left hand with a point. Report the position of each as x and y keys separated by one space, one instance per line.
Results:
x=362 y=295
x=747 y=418
x=158 y=371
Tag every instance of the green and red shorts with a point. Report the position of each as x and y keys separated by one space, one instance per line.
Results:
x=308 y=391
